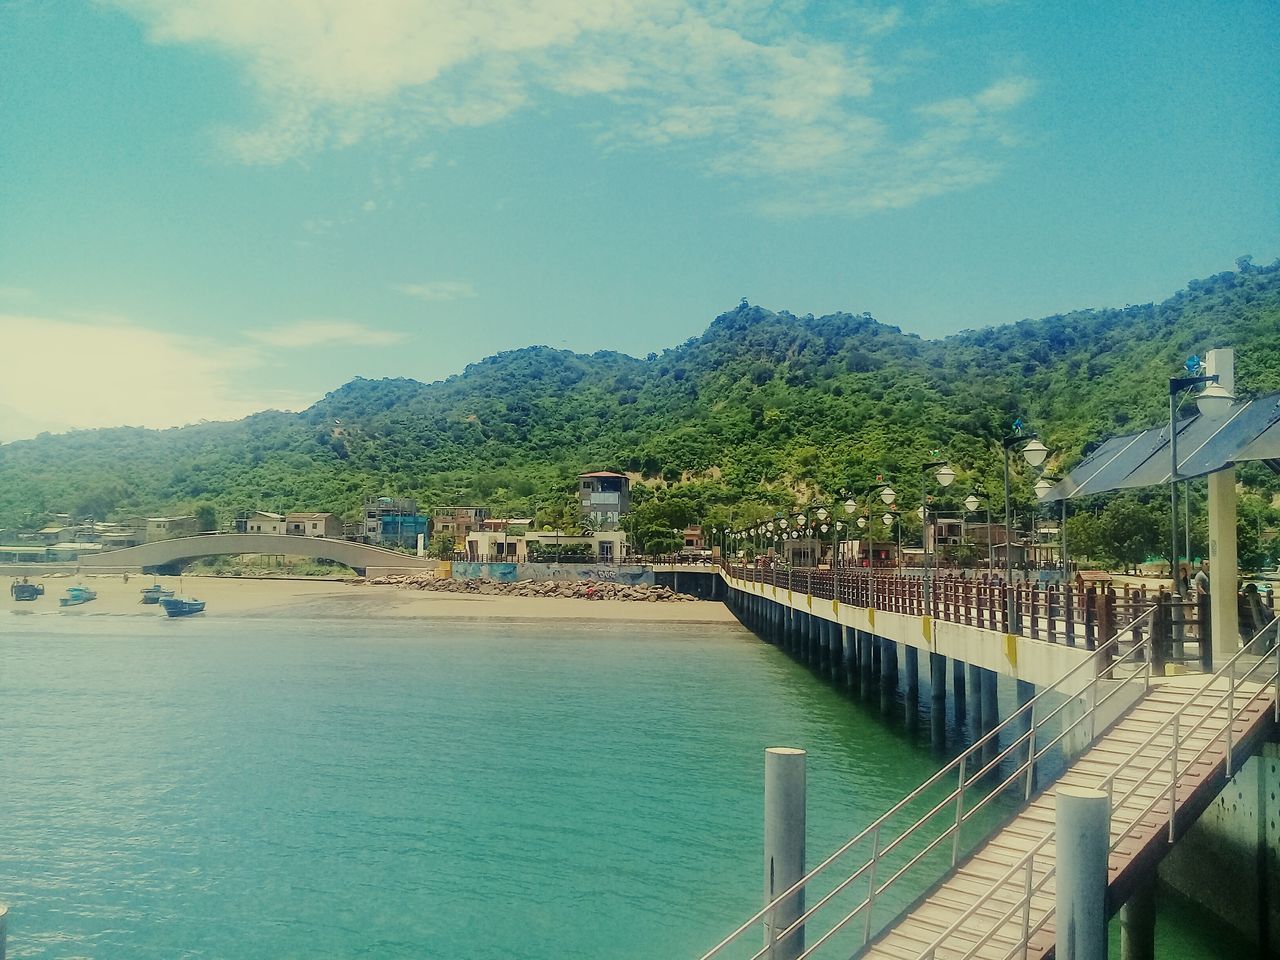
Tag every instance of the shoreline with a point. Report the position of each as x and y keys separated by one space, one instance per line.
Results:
x=306 y=597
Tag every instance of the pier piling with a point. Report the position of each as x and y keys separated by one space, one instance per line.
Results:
x=784 y=829
x=1083 y=833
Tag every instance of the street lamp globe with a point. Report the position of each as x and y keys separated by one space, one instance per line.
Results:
x=1035 y=452
x=850 y=505
x=822 y=513
x=795 y=534
x=971 y=502
x=887 y=519
x=1214 y=400
x=801 y=519
x=945 y=475
x=825 y=528
x=783 y=524
x=1043 y=486
x=862 y=522
x=887 y=495
x=920 y=512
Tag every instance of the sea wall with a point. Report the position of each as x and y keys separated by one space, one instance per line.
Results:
x=572 y=572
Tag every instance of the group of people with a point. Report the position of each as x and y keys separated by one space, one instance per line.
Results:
x=1256 y=607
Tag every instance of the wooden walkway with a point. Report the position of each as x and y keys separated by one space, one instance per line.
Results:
x=1136 y=847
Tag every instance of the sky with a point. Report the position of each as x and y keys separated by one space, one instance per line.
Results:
x=212 y=207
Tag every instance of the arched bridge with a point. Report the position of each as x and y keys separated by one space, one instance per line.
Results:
x=170 y=553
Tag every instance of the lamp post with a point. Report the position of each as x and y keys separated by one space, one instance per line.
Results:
x=887 y=496
x=944 y=475
x=1034 y=452
x=971 y=503
x=1043 y=486
x=1214 y=399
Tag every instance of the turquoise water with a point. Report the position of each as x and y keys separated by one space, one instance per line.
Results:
x=279 y=788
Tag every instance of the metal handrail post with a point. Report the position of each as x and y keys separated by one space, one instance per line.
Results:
x=1231 y=715
x=1031 y=755
x=871 y=889
x=955 y=838
x=1173 y=777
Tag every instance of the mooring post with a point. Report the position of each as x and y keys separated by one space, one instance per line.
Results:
x=784 y=828
x=1083 y=836
x=1138 y=922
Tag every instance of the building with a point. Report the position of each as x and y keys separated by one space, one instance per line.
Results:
x=603 y=497
x=484 y=546
x=167 y=528
x=312 y=525
x=394 y=521
x=694 y=542
x=458 y=522
x=261 y=521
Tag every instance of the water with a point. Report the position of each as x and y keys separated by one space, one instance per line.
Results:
x=281 y=788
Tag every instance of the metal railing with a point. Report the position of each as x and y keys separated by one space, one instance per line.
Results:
x=1055 y=613
x=1171 y=759
x=975 y=770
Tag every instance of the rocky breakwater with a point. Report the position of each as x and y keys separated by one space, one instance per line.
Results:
x=578 y=590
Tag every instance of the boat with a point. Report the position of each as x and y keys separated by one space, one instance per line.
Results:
x=26 y=591
x=76 y=596
x=181 y=606
x=155 y=593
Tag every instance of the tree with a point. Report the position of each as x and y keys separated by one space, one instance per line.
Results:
x=441 y=546
x=206 y=516
x=1131 y=531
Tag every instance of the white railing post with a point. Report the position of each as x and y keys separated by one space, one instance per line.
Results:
x=871 y=889
x=1173 y=777
x=1231 y=715
x=955 y=839
x=784 y=829
x=1082 y=838
x=1031 y=755
x=1026 y=903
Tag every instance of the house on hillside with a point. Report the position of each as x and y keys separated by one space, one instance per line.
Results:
x=262 y=521
x=394 y=521
x=312 y=525
x=603 y=498
x=458 y=522
x=167 y=528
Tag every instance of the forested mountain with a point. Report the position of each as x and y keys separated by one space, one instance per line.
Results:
x=763 y=408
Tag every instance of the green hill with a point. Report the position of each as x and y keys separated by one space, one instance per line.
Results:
x=762 y=408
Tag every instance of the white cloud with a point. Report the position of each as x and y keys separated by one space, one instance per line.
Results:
x=317 y=333
x=436 y=291
x=741 y=80
x=115 y=373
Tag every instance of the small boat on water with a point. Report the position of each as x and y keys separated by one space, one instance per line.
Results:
x=181 y=606
x=76 y=596
x=155 y=593
x=26 y=591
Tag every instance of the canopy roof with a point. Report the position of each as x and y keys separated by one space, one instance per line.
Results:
x=1245 y=432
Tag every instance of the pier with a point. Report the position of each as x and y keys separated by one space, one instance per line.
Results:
x=1116 y=698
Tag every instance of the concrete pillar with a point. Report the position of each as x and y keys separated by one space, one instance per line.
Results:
x=912 y=668
x=938 y=701
x=888 y=673
x=784 y=829
x=990 y=710
x=849 y=650
x=1138 y=923
x=835 y=636
x=1083 y=835
x=866 y=663
x=975 y=702
x=957 y=689
x=1223 y=565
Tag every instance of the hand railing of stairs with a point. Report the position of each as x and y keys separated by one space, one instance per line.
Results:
x=1111 y=668
x=1259 y=659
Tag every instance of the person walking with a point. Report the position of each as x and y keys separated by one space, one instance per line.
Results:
x=1202 y=579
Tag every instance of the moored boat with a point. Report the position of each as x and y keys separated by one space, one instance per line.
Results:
x=26 y=591
x=181 y=606
x=155 y=593
x=76 y=596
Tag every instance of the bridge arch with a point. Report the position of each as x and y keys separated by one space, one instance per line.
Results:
x=164 y=554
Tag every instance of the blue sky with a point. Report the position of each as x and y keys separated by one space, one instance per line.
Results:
x=209 y=207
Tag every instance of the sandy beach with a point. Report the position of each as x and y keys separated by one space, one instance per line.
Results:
x=244 y=597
